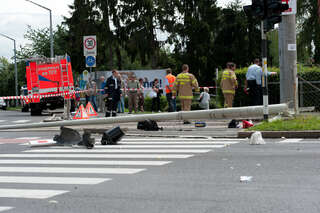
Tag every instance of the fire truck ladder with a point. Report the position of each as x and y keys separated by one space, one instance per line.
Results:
x=34 y=77
x=64 y=75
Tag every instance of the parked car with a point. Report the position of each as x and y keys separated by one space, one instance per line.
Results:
x=3 y=104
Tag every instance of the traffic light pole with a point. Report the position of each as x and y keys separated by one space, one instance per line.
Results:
x=264 y=49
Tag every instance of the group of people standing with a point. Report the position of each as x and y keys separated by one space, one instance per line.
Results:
x=253 y=83
x=111 y=96
x=114 y=91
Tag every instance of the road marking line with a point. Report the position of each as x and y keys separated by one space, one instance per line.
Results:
x=168 y=146
x=86 y=162
x=29 y=193
x=21 y=121
x=52 y=180
x=30 y=138
x=70 y=170
x=121 y=150
x=179 y=143
x=94 y=156
x=293 y=140
x=182 y=139
x=1 y=121
x=5 y=208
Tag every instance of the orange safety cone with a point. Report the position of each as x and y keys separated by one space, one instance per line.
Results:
x=90 y=110
x=81 y=113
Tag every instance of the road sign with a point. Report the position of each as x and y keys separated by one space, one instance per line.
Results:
x=89 y=45
x=90 y=61
x=292 y=7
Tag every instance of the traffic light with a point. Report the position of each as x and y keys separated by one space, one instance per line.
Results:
x=256 y=9
x=273 y=13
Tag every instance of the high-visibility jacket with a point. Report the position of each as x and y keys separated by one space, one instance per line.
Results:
x=183 y=86
x=170 y=79
x=228 y=82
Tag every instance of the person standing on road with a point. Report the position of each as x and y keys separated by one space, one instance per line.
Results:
x=183 y=86
x=169 y=82
x=122 y=96
x=112 y=94
x=101 y=93
x=253 y=84
x=93 y=95
x=229 y=84
x=141 y=96
x=133 y=87
x=156 y=100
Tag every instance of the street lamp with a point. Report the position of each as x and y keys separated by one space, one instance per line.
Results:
x=51 y=35
x=15 y=63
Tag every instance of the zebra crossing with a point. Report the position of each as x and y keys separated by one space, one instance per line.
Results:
x=52 y=168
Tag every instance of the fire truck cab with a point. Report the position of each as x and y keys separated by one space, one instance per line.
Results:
x=49 y=84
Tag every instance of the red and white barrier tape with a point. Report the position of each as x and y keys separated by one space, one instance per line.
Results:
x=22 y=97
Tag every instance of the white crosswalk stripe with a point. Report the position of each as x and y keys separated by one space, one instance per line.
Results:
x=78 y=165
x=65 y=170
x=30 y=193
x=52 y=180
x=86 y=162
x=1 y=121
x=5 y=208
x=84 y=150
x=152 y=146
x=184 y=140
x=95 y=156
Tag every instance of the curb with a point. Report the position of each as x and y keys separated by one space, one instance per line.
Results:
x=282 y=134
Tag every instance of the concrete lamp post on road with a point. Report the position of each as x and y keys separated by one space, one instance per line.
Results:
x=15 y=63
x=51 y=34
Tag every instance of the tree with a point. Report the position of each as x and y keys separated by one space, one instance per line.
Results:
x=83 y=21
x=309 y=28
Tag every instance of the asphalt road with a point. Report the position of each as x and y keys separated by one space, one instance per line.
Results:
x=160 y=174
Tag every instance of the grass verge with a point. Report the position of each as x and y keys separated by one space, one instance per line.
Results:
x=300 y=123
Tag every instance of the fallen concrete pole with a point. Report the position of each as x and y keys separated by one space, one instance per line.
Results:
x=231 y=113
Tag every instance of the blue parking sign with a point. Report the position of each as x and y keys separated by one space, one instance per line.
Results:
x=90 y=61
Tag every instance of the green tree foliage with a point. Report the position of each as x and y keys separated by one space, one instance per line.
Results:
x=83 y=22
x=308 y=29
x=196 y=32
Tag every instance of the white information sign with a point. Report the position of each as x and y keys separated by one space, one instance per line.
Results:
x=292 y=7
x=292 y=47
x=89 y=45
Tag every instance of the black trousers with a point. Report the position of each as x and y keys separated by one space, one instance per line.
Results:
x=155 y=104
x=255 y=93
x=112 y=104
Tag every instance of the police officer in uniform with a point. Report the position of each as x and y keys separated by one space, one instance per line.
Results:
x=112 y=94
x=183 y=86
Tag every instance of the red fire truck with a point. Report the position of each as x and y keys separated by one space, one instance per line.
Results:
x=49 y=84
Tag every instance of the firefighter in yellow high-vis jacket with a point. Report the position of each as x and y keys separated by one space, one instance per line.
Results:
x=229 y=84
x=182 y=88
